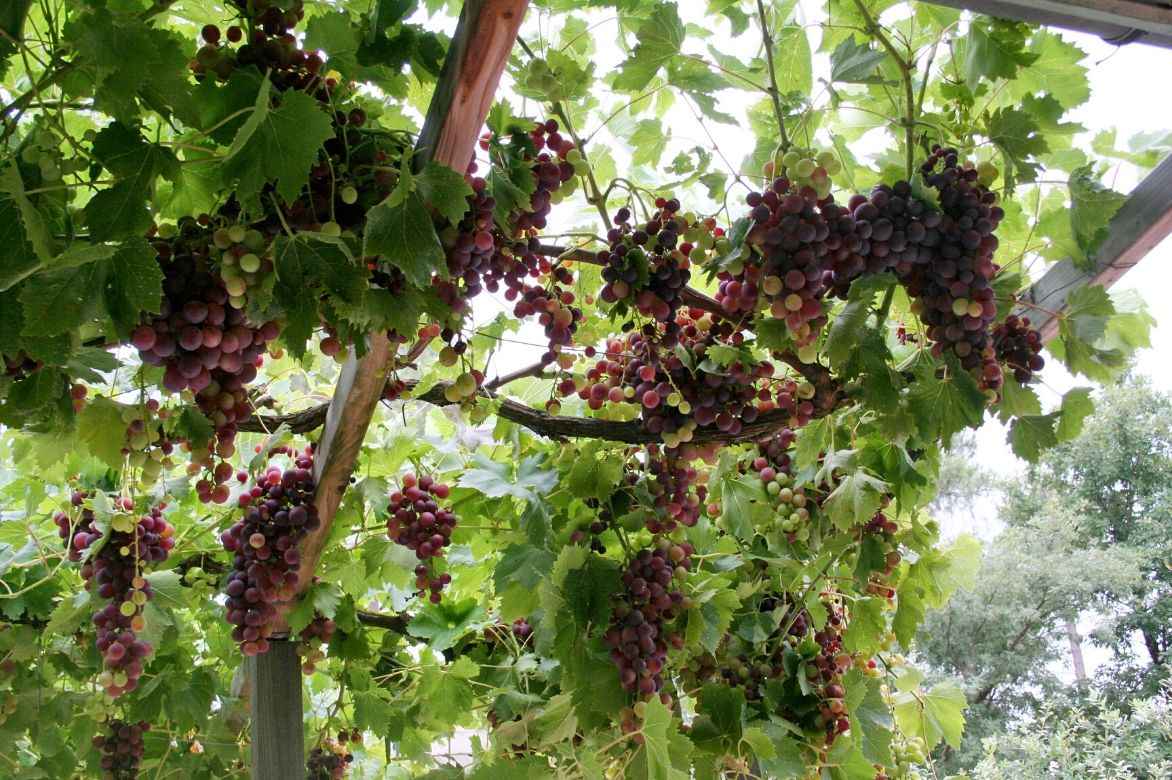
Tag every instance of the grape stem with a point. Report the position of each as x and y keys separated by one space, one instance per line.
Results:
x=774 y=94
x=594 y=197
x=905 y=74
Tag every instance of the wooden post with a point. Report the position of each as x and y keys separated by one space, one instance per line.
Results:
x=476 y=58
x=278 y=741
x=1142 y=222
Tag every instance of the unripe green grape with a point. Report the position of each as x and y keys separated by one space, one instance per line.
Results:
x=349 y=195
x=332 y=229
x=697 y=255
x=237 y=301
x=254 y=240
x=581 y=168
x=573 y=156
x=222 y=239
x=773 y=488
x=808 y=353
x=723 y=246
x=168 y=230
x=249 y=263
x=790 y=159
x=237 y=233
x=805 y=167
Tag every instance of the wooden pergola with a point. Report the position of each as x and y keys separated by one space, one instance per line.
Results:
x=480 y=48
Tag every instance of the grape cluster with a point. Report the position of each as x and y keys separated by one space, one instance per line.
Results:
x=115 y=573
x=319 y=632
x=1017 y=346
x=416 y=521
x=642 y=622
x=556 y=311
x=646 y=267
x=270 y=46
x=20 y=365
x=148 y=445
x=243 y=261
x=882 y=528
x=598 y=526
x=947 y=265
x=122 y=749
x=278 y=513
x=330 y=760
x=677 y=389
x=204 y=342
x=521 y=630
x=677 y=491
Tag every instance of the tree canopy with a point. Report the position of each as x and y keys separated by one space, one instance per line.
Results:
x=651 y=420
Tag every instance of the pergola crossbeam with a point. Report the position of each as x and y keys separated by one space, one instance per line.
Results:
x=1115 y=21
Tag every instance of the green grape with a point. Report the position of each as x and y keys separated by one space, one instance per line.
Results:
x=236 y=233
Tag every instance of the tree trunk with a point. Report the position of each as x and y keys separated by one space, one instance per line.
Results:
x=1080 y=669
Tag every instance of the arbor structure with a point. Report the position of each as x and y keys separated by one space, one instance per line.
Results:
x=694 y=557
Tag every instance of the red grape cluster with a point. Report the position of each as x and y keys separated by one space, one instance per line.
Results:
x=122 y=749
x=884 y=529
x=20 y=365
x=641 y=628
x=948 y=273
x=647 y=268
x=270 y=46
x=278 y=513
x=204 y=342
x=676 y=490
x=521 y=630
x=792 y=241
x=1017 y=346
x=330 y=760
x=115 y=572
x=416 y=521
x=677 y=389
x=319 y=632
x=556 y=311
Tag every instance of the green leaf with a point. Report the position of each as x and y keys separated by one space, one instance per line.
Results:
x=995 y=49
x=856 y=63
x=12 y=17
x=62 y=301
x=1076 y=407
x=121 y=211
x=593 y=478
x=1030 y=434
x=724 y=707
x=665 y=752
x=444 y=190
x=933 y=715
x=444 y=623
x=846 y=330
x=134 y=284
x=743 y=505
x=1056 y=69
x=1091 y=208
x=867 y=627
x=312 y=261
x=278 y=145
x=405 y=237
x=660 y=37
x=1017 y=135
x=101 y=428
x=35 y=229
x=944 y=407
x=855 y=500
x=792 y=60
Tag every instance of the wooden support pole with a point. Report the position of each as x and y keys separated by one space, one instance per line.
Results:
x=1142 y=222
x=1115 y=21
x=475 y=61
x=275 y=698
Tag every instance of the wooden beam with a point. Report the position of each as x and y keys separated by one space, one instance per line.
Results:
x=472 y=70
x=275 y=701
x=1142 y=222
x=475 y=61
x=1115 y=21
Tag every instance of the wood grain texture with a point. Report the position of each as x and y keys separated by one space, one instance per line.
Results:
x=275 y=700
x=476 y=59
x=1116 y=21
x=1142 y=222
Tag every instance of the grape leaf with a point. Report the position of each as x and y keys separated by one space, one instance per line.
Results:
x=101 y=427
x=444 y=623
x=855 y=500
x=944 y=407
x=1091 y=208
x=1030 y=434
x=121 y=210
x=405 y=237
x=313 y=261
x=1076 y=407
x=996 y=49
x=12 y=17
x=660 y=37
x=276 y=144
x=855 y=63
x=444 y=190
x=61 y=301
x=35 y=230
x=134 y=284
x=933 y=715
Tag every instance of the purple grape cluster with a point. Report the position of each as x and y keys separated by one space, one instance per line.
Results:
x=417 y=521
x=641 y=629
x=115 y=573
x=677 y=496
x=278 y=513
x=328 y=761
x=645 y=267
x=122 y=749
x=1018 y=347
